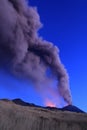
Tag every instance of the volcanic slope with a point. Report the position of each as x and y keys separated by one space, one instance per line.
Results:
x=15 y=116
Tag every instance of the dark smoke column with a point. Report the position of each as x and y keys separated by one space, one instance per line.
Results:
x=23 y=52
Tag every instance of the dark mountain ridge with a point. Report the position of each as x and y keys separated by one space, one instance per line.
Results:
x=70 y=108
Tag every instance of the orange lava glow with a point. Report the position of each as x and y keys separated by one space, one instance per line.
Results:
x=50 y=103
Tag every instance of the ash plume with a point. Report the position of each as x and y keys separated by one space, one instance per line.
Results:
x=26 y=54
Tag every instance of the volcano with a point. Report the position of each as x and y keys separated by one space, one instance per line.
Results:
x=71 y=108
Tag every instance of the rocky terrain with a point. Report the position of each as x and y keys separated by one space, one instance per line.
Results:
x=18 y=115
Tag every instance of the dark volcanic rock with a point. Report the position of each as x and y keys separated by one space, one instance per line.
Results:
x=22 y=103
x=72 y=108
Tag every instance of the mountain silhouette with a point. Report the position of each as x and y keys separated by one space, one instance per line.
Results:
x=71 y=108
x=22 y=103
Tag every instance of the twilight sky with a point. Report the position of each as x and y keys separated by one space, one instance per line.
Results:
x=64 y=24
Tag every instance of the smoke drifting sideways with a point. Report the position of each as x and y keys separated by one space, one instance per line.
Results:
x=24 y=53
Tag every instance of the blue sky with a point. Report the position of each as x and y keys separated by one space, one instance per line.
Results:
x=65 y=24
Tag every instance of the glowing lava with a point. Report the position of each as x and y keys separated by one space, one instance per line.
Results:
x=49 y=103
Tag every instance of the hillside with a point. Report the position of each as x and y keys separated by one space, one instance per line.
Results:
x=15 y=116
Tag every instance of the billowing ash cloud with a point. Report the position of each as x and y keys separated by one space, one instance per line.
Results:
x=23 y=52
